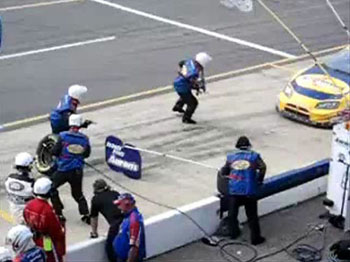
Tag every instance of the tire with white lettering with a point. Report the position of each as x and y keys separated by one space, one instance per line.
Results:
x=44 y=161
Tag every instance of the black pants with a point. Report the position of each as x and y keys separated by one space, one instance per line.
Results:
x=112 y=233
x=75 y=180
x=190 y=101
x=251 y=209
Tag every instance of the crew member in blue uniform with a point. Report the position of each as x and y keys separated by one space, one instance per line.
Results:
x=68 y=105
x=71 y=150
x=130 y=243
x=191 y=76
x=246 y=170
x=21 y=239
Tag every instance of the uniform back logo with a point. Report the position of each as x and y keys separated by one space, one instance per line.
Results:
x=75 y=149
x=16 y=186
x=240 y=165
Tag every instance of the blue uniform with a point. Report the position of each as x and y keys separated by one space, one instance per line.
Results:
x=243 y=175
x=71 y=150
x=133 y=228
x=75 y=146
x=59 y=116
x=189 y=72
x=35 y=254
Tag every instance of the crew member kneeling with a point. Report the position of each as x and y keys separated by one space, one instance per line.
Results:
x=246 y=171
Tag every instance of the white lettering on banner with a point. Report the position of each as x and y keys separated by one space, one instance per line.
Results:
x=113 y=146
x=117 y=150
x=131 y=166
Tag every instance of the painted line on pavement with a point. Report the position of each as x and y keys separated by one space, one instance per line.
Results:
x=55 y=48
x=159 y=90
x=278 y=62
x=19 y=7
x=195 y=28
x=7 y=217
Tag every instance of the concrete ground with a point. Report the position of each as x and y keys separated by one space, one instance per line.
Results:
x=243 y=105
x=144 y=53
x=280 y=229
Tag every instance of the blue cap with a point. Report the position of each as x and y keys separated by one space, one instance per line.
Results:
x=125 y=196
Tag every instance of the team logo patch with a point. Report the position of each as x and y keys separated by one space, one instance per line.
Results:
x=15 y=186
x=75 y=149
x=240 y=165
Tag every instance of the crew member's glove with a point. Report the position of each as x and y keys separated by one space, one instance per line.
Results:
x=86 y=123
x=198 y=92
x=93 y=235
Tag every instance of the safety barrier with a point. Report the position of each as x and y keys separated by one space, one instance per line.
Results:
x=172 y=229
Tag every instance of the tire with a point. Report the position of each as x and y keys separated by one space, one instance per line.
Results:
x=222 y=184
x=44 y=162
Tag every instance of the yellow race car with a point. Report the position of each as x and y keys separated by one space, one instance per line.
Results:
x=313 y=97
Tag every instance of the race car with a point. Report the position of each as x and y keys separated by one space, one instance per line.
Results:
x=315 y=98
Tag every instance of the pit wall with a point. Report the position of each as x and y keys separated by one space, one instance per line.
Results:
x=172 y=229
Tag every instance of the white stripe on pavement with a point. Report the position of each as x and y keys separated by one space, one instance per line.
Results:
x=12 y=8
x=55 y=48
x=195 y=28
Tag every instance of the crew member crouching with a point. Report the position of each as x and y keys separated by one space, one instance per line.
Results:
x=190 y=76
x=246 y=170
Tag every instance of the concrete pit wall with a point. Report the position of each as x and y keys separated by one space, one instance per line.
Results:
x=172 y=229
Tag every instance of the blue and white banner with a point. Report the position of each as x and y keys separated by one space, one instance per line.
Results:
x=123 y=159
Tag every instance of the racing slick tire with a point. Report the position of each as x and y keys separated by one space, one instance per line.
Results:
x=44 y=161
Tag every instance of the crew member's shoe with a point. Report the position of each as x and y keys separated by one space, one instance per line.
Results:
x=180 y=110
x=86 y=219
x=236 y=235
x=189 y=121
x=258 y=241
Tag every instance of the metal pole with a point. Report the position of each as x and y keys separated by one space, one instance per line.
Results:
x=307 y=50
x=171 y=156
x=339 y=19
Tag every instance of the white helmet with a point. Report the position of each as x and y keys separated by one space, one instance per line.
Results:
x=42 y=186
x=203 y=58
x=24 y=159
x=75 y=120
x=77 y=91
x=20 y=238
x=5 y=255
